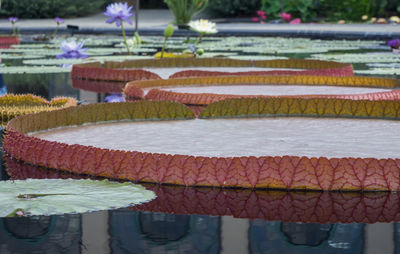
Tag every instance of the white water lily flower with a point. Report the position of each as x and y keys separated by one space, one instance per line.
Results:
x=58 y=196
x=203 y=26
x=132 y=43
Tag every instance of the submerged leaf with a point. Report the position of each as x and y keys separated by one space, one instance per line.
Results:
x=59 y=196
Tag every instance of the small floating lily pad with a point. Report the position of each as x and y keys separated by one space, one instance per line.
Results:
x=20 y=56
x=260 y=57
x=33 y=70
x=35 y=46
x=386 y=57
x=59 y=196
x=121 y=58
x=54 y=62
x=379 y=71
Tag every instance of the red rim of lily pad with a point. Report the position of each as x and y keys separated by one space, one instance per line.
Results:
x=198 y=101
x=316 y=207
x=109 y=75
x=277 y=172
x=7 y=41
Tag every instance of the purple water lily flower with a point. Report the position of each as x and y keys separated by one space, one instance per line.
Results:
x=13 y=20
x=118 y=13
x=114 y=97
x=394 y=44
x=72 y=50
x=58 y=20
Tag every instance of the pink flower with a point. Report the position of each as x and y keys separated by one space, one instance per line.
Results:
x=262 y=13
x=285 y=16
x=295 y=21
x=262 y=16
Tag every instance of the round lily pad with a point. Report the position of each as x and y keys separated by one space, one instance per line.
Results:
x=174 y=67
x=59 y=196
x=386 y=57
x=33 y=69
x=371 y=172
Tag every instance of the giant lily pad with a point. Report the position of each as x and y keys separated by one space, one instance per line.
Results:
x=58 y=196
x=192 y=67
x=251 y=168
x=202 y=91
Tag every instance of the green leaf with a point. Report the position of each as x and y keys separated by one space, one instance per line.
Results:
x=59 y=196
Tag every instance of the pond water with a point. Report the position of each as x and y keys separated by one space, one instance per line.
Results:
x=203 y=220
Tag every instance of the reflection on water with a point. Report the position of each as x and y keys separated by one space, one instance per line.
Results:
x=306 y=238
x=212 y=220
x=127 y=231
x=40 y=234
x=145 y=232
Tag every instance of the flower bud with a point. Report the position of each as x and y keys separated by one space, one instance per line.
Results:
x=169 y=31
x=199 y=52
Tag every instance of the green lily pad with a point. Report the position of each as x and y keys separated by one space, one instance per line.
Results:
x=35 y=46
x=379 y=71
x=121 y=58
x=33 y=69
x=59 y=196
x=90 y=41
x=54 y=62
x=20 y=56
x=54 y=52
x=259 y=57
x=386 y=57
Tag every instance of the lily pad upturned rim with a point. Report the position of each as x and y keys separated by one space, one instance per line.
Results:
x=7 y=41
x=134 y=89
x=248 y=203
x=278 y=172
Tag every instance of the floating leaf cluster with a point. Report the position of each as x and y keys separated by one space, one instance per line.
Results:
x=262 y=48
